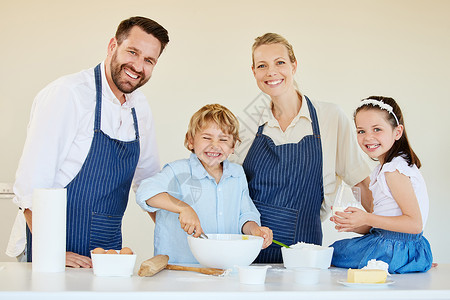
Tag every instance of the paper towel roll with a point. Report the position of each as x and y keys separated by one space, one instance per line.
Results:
x=49 y=230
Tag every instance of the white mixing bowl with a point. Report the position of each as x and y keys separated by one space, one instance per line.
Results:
x=113 y=264
x=253 y=274
x=225 y=251
x=307 y=256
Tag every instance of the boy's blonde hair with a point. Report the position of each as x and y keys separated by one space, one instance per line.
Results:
x=219 y=114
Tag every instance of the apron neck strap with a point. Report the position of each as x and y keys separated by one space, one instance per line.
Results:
x=98 y=97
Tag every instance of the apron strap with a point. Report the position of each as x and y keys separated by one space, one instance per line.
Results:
x=98 y=98
x=315 y=123
x=312 y=112
x=260 y=129
x=136 y=129
x=98 y=103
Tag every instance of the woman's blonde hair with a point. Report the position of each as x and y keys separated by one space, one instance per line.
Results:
x=219 y=114
x=273 y=38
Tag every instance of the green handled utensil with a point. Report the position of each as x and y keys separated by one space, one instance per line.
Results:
x=281 y=244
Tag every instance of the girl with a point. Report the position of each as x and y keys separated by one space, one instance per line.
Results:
x=393 y=232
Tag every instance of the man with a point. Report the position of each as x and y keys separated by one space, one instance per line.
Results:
x=92 y=132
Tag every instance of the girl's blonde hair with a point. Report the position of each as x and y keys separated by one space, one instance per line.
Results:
x=220 y=115
x=273 y=38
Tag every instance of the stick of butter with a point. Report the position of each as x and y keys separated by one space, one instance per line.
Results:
x=366 y=276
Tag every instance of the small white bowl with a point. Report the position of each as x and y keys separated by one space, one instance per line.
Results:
x=307 y=257
x=307 y=275
x=224 y=251
x=113 y=264
x=252 y=274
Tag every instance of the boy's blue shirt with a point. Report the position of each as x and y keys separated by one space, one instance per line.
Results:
x=222 y=207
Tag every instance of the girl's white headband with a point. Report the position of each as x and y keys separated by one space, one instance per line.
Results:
x=381 y=105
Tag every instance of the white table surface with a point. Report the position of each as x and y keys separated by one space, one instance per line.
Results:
x=17 y=281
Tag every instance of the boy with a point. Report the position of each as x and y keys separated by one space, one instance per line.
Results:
x=205 y=193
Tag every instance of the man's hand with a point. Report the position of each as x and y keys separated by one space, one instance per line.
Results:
x=75 y=260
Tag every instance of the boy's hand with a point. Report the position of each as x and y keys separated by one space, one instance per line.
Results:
x=253 y=228
x=266 y=233
x=189 y=221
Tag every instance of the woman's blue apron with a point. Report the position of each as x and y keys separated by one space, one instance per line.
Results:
x=97 y=197
x=286 y=185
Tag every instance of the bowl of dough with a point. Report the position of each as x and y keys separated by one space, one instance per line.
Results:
x=303 y=255
x=225 y=251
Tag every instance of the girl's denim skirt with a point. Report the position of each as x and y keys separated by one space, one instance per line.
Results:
x=404 y=252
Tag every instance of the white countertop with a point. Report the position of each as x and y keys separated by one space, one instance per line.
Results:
x=17 y=281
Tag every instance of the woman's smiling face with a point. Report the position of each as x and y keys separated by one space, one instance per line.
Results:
x=273 y=70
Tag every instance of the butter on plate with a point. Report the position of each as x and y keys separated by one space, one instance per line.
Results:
x=366 y=276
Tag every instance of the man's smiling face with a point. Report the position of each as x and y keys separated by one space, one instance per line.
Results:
x=132 y=62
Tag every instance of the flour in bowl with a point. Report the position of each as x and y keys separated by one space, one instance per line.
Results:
x=302 y=245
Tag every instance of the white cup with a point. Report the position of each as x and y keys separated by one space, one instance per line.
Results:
x=252 y=274
x=337 y=209
x=307 y=275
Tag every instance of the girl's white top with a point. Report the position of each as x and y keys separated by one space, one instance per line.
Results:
x=383 y=202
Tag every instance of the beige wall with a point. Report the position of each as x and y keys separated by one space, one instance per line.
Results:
x=347 y=50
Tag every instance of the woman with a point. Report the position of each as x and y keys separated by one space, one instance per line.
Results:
x=300 y=152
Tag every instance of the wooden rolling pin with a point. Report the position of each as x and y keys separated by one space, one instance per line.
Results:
x=159 y=262
x=153 y=265
x=207 y=271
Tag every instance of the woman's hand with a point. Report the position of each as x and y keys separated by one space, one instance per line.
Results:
x=189 y=221
x=350 y=220
x=75 y=260
x=252 y=228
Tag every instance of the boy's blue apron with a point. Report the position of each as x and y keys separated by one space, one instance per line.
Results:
x=98 y=195
x=286 y=185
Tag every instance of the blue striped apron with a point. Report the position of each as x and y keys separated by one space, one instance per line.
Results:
x=286 y=185
x=97 y=197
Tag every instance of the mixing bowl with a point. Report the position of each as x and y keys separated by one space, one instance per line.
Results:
x=304 y=255
x=225 y=251
x=113 y=264
x=254 y=274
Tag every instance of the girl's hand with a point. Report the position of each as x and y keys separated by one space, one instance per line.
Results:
x=350 y=220
x=189 y=221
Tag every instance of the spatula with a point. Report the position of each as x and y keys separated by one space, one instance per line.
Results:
x=280 y=243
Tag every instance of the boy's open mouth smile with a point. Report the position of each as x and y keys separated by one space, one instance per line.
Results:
x=212 y=154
